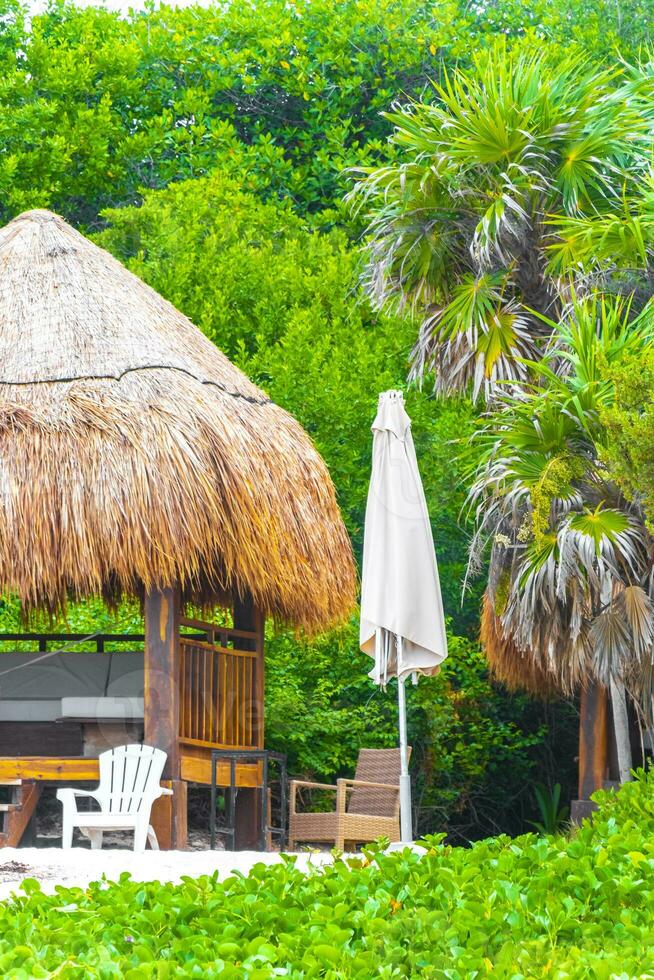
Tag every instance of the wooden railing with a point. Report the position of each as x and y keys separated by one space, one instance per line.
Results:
x=220 y=687
x=69 y=642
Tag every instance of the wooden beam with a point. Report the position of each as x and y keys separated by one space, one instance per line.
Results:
x=202 y=627
x=251 y=620
x=169 y=815
x=161 y=706
x=161 y=682
x=17 y=820
x=49 y=769
x=198 y=770
x=593 y=739
x=248 y=819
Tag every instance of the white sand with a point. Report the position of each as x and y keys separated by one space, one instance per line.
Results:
x=79 y=866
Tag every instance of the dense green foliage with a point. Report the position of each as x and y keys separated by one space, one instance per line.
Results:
x=98 y=107
x=630 y=424
x=566 y=906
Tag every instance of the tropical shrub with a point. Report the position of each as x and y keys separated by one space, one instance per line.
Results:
x=564 y=906
x=553 y=816
x=629 y=421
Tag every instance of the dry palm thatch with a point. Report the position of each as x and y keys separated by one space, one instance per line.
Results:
x=133 y=454
x=517 y=669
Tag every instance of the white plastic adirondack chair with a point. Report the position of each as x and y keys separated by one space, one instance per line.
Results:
x=129 y=785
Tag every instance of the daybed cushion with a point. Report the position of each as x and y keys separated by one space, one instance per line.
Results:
x=102 y=709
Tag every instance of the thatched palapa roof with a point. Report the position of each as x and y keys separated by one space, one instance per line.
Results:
x=133 y=454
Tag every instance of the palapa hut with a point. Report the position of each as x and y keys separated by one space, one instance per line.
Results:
x=136 y=460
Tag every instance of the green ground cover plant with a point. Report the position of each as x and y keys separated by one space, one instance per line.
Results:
x=575 y=905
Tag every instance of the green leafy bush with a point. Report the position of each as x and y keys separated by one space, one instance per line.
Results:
x=629 y=422
x=561 y=906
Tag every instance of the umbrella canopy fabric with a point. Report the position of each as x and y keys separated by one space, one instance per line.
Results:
x=401 y=604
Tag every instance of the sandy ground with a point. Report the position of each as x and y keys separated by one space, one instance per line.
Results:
x=79 y=866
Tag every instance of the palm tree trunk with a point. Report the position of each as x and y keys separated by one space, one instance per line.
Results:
x=593 y=741
x=621 y=730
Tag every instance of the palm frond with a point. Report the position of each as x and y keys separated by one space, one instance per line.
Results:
x=611 y=640
x=637 y=609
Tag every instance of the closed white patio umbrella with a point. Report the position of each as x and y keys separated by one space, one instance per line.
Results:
x=402 y=624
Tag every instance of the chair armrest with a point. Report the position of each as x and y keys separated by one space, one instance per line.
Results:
x=67 y=795
x=364 y=784
x=155 y=794
x=306 y=785
x=296 y=784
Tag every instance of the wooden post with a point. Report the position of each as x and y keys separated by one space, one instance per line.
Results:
x=247 y=617
x=161 y=707
x=248 y=801
x=248 y=819
x=593 y=747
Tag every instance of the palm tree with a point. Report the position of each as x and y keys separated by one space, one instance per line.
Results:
x=474 y=224
x=570 y=595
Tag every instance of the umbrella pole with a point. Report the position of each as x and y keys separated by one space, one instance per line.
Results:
x=406 y=828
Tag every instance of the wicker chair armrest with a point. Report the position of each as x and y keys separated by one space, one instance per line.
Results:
x=307 y=785
x=364 y=784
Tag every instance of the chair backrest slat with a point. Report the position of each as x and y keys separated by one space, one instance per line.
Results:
x=128 y=774
x=377 y=766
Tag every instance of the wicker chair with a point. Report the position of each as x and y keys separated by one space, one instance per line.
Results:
x=367 y=806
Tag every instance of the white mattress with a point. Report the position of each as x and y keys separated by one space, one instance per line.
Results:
x=24 y=709
x=102 y=709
